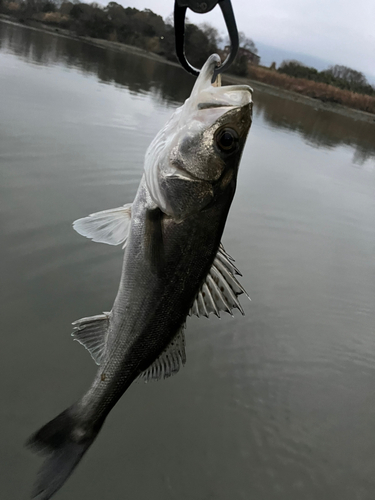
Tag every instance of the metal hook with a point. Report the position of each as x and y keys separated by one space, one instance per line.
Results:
x=180 y=8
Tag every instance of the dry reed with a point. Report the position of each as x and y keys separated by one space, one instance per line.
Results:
x=316 y=90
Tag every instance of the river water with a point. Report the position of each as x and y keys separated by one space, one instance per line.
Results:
x=279 y=404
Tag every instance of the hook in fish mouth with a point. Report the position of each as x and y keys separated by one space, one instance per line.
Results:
x=233 y=96
x=230 y=97
x=205 y=95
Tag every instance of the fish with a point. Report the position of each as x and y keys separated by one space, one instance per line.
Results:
x=174 y=265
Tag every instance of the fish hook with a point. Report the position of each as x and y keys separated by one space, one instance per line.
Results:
x=180 y=8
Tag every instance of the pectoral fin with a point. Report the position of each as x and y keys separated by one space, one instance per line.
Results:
x=220 y=289
x=109 y=226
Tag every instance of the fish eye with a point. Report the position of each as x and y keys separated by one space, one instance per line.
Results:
x=226 y=140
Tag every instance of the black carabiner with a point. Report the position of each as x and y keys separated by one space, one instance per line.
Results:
x=180 y=8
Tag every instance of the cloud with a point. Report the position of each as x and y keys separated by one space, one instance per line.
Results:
x=334 y=30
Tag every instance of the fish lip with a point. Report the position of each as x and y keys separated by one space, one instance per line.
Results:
x=244 y=95
x=182 y=174
x=210 y=105
x=204 y=92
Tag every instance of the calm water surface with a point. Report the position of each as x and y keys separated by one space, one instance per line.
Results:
x=279 y=404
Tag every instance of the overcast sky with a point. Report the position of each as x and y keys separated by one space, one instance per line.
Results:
x=338 y=31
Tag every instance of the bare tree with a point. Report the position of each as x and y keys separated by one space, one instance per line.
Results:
x=169 y=20
x=350 y=75
x=212 y=34
x=247 y=43
x=244 y=42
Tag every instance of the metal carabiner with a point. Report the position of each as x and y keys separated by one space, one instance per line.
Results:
x=180 y=8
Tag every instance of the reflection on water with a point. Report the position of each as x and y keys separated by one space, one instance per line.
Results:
x=276 y=405
x=138 y=74
x=319 y=127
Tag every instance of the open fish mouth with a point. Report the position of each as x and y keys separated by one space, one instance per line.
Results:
x=206 y=95
x=229 y=96
x=209 y=105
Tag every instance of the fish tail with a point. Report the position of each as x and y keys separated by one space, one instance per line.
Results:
x=63 y=441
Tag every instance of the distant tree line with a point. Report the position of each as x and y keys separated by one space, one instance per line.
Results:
x=149 y=31
x=143 y=29
x=339 y=76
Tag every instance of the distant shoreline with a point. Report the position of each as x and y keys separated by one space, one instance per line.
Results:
x=228 y=78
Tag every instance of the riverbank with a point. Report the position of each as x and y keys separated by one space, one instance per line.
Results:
x=227 y=78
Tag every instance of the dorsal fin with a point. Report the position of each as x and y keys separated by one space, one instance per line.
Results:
x=91 y=333
x=109 y=226
x=220 y=289
x=170 y=360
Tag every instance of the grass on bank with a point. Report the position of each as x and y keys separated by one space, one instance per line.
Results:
x=315 y=90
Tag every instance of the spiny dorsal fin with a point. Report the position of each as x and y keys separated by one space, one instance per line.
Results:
x=109 y=226
x=220 y=289
x=170 y=360
x=91 y=333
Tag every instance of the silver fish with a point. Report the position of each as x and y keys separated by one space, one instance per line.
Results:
x=174 y=265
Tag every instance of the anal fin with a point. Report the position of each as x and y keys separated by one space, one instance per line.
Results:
x=170 y=360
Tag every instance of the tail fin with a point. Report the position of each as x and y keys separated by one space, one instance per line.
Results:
x=64 y=443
